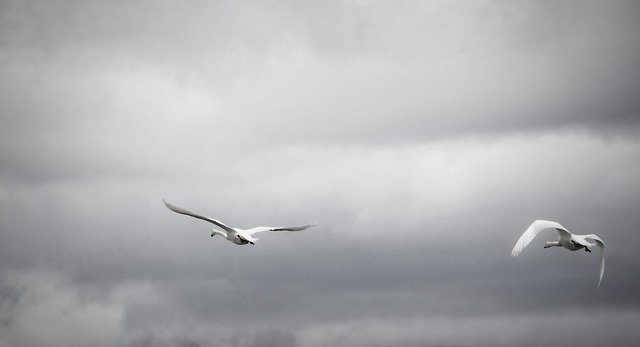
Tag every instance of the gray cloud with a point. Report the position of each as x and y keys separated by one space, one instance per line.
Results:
x=404 y=232
x=422 y=137
x=495 y=330
x=333 y=72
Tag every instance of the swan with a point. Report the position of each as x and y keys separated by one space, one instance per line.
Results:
x=567 y=240
x=235 y=235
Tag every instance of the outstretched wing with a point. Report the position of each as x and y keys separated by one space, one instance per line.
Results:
x=188 y=213
x=277 y=229
x=601 y=245
x=534 y=229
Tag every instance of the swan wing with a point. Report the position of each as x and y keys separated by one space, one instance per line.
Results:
x=534 y=229
x=601 y=245
x=278 y=229
x=194 y=215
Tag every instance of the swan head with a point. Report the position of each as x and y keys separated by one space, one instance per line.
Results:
x=217 y=232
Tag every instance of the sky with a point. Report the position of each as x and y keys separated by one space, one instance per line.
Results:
x=422 y=136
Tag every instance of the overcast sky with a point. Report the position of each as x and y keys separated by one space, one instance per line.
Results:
x=423 y=137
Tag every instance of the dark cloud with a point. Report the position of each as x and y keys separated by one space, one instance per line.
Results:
x=419 y=72
x=422 y=137
x=404 y=232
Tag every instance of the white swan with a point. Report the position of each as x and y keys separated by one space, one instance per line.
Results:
x=567 y=240
x=235 y=235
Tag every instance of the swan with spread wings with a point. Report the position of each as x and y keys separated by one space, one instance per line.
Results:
x=235 y=235
x=566 y=239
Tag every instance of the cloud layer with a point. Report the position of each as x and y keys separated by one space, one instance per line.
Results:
x=422 y=137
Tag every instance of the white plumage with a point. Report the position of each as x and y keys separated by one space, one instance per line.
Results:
x=235 y=235
x=566 y=239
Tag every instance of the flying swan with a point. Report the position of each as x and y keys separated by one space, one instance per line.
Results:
x=567 y=240
x=235 y=235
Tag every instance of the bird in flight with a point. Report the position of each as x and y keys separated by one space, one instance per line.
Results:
x=567 y=240
x=235 y=235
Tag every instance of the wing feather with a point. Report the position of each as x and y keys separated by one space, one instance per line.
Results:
x=194 y=215
x=277 y=229
x=534 y=229
x=602 y=246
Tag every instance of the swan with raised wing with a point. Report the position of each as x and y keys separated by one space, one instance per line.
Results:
x=566 y=239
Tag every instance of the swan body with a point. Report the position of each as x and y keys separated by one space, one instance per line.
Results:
x=235 y=235
x=566 y=239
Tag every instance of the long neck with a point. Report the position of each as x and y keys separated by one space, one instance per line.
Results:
x=221 y=233
x=551 y=244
